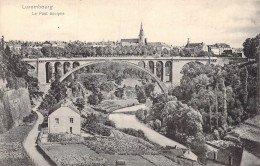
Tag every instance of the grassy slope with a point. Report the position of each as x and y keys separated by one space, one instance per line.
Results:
x=11 y=148
x=112 y=105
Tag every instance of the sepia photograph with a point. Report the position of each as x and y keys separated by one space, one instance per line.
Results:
x=129 y=83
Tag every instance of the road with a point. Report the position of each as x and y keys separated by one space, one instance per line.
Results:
x=30 y=142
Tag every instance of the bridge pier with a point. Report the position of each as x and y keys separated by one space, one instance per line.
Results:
x=163 y=73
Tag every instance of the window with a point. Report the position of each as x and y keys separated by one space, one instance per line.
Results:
x=71 y=120
x=57 y=120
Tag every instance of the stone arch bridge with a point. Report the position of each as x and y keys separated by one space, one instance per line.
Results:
x=165 y=69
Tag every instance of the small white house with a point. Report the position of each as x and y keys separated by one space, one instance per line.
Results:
x=64 y=118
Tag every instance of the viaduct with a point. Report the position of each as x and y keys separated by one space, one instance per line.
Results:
x=169 y=67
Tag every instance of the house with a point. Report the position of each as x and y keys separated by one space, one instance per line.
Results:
x=221 y=152
x=64 y=118
x=182 y=156
x=194 y=47
x=219 y=48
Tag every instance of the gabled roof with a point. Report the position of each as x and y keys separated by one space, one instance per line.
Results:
x=222 y=45
x=219 y=45
x=192 y=45
x=130 y=40
x=157 y=44
x=61 y=104
x=190 y=156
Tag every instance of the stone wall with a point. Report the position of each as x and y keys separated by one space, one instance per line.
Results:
x=14 y=106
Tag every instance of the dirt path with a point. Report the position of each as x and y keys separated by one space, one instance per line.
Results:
x=30 y=142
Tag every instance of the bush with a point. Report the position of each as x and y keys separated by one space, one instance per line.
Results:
x=107 y=86
x=99 y=129
x=93 y=99
x=110 y=123
x=30 y=118
x=140 y=114
x=135 y=133
x=65 y=138
x=119 y=93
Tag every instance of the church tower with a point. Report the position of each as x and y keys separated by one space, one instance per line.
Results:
x=141 y=35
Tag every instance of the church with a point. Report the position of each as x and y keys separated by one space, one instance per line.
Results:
x=135 y=42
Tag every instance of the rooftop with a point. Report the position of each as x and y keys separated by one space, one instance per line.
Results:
x=130 y=40
x=63 y=104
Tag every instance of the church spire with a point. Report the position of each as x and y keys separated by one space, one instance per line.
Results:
x=141 y=30
x=141 y=35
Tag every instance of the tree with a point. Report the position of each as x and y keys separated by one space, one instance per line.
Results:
x=224 y=90
x=149 y=88
x=244 y=84
x=14 y=67
x=107 y=86
x=140 y=114
x=119 y=92
x=58 y=90
x=118 y=80
x=182 y=121
x=93 y=99
x=48 y=101
x=250 y=47
x=141 y=97
x=80 y=103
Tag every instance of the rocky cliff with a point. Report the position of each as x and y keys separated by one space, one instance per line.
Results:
x=14 y=106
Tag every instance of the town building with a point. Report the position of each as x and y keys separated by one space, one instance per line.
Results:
x=219 y=48
x=195 y=47
x=239 y=52
x=141 y=40
x=159 y=45
x=221 y=152
x=64 y=118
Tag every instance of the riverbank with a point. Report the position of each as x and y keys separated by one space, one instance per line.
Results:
x=130 y=121
x=109 y=106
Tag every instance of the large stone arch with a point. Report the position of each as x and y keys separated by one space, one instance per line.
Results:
x=160 y=83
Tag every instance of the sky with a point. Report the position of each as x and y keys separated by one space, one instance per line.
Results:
x=170 y=21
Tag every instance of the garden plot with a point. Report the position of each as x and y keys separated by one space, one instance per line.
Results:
x=130 y=160
x=72 y=154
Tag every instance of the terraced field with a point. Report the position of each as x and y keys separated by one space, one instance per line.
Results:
x=159 y=160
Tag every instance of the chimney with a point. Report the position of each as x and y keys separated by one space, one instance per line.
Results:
x=64 y=103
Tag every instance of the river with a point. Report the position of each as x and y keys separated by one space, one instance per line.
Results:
x=123 y=120
x=129 y=121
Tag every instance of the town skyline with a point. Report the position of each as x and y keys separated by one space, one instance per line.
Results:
x=209 y=22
